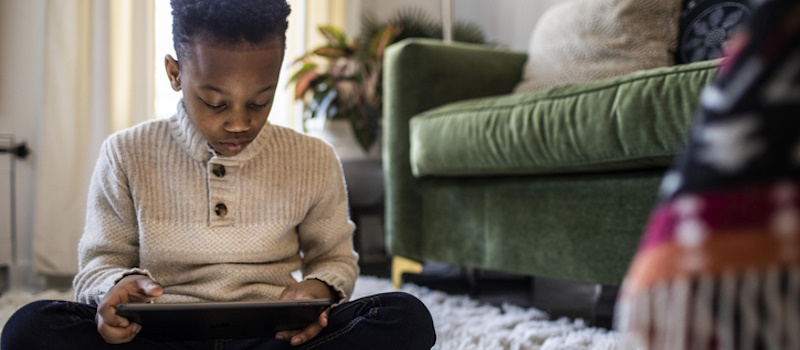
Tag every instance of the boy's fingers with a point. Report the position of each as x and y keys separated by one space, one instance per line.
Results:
x=121 y=335
x=116 y=329
x=286 y=335
x=117 y=321
x=308 y=333
x=323 y=318
x=117 y=335
x=108 y=315
x=144 y=291
x=286 y=295
x=149 y=287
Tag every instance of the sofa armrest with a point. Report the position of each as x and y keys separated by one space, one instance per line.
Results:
x=420 y=74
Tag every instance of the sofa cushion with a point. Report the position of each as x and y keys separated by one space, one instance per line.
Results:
x=633 y=121
x=578 y=41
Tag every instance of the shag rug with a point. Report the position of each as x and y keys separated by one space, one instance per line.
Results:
x=461 y=323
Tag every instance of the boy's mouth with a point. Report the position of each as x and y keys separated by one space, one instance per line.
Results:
x=234 y=146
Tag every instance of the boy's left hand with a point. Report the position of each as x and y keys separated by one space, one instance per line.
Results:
x=308 y=289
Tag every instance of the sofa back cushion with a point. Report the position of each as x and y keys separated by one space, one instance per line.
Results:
x=583 y=40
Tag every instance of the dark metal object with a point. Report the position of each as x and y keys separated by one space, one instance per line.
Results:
x=20 y=151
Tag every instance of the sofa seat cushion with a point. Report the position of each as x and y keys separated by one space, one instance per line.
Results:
x=633 y=121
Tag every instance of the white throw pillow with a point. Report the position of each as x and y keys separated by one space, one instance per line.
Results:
x=583 y=40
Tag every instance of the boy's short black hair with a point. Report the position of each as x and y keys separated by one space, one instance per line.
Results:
x=228 y=21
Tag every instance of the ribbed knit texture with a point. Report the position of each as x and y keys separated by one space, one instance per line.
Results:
x=151 y=210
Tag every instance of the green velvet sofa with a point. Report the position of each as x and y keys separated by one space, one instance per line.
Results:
x=557 y=183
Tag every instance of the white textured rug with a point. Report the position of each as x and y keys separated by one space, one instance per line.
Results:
x=461 y=323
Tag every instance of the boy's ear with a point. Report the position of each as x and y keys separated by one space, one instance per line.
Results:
x=173 y=71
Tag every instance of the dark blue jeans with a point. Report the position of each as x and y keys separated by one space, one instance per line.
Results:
x=383 y=321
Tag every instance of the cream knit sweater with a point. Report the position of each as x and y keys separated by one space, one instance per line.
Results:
x=155 y=208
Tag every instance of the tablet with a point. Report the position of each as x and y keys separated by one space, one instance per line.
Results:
x=221 y=320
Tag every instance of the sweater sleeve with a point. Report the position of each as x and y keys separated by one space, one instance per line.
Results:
x=109 y=247
x=326 y=234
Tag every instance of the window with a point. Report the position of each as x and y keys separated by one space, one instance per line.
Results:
x=166 y=99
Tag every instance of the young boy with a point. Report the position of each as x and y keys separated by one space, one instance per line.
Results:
x=216 y=204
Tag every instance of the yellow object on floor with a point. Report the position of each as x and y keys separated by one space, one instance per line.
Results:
x=402 y=265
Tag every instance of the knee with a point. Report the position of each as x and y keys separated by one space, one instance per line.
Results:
x=21 y=328
x=416 y=318
x=412 y=305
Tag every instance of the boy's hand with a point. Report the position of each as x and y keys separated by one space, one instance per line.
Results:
x=308 y=289
x=130 y=289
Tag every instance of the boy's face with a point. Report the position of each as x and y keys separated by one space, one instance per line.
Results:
x=228 y=90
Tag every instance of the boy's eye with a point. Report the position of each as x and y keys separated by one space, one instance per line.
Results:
x=258 y=106
x=215 y=107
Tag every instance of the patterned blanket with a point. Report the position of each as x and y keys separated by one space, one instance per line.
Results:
x=719 y=263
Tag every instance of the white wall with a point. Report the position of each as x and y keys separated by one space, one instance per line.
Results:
x=507 y=23
x=384 y=9
x=21 y=50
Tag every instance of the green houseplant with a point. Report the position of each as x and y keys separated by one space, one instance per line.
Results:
x=342 y=78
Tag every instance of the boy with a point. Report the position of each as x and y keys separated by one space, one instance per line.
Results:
x=216 y=204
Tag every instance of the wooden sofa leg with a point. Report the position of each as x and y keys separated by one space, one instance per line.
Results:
x=401 y=265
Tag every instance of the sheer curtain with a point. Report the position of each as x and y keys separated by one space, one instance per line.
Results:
x=98 y=72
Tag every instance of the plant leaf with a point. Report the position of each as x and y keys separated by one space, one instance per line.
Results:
x=304 y=84
x=335 y=36
x=302 y=71
x=305 y=57
x=330 y=52
x=383 y=40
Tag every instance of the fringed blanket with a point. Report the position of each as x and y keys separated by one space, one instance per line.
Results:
x=719 y=263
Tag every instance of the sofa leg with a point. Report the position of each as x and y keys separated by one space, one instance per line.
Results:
x=605 y=298
x=401 y=265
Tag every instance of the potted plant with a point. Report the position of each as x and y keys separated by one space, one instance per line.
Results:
x=341 y=80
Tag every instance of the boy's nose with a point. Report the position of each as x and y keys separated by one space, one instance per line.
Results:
x=237 y=121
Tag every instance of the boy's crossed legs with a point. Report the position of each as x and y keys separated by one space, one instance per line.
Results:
x=384 y=321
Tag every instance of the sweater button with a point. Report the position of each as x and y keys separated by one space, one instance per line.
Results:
x=218 y=170
x=221 y=210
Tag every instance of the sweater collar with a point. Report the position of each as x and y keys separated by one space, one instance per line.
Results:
x=193 y=142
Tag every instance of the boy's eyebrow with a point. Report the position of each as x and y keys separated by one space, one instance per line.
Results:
x=212 y=88
x=219 y=90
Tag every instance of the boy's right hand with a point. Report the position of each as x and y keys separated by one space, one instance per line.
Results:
x=130 y=289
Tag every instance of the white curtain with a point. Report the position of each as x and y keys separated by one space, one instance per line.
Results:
x=98 y=78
